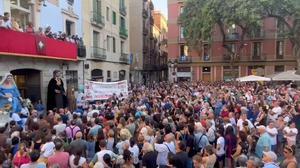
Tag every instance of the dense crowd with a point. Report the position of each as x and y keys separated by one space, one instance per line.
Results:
x=183 y=125
x=10 y=23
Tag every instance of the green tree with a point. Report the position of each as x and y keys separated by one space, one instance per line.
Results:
x=288 y=13
x=201 y=17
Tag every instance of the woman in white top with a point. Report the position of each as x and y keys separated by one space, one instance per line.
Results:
x=290 y=133
x=76 y=160
x=220 y=149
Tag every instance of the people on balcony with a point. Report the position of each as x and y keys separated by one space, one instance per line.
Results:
x=6 y=22
x=29 y=28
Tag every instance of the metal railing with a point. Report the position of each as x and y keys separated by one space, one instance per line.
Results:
x=123 y=10
x=98 y=53
x=124 y=58
x=232 y=37
x=123 y=32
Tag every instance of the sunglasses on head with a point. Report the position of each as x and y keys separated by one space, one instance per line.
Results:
x=289 y=149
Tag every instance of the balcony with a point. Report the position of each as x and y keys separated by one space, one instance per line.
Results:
x=123 y=10
x=97 y=19
x=21 y=44
x=124 y=58
x=98 y=53
x=145 y=13
x=257 y=35
x=232 y=37
x=184 y=59
x=123 y=32
x=226 y=57
x=258 y=58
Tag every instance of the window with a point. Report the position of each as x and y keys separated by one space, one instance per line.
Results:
x=72 y=79
x=280 y=26
x=256 y=49
x=108 y=74
x=183 y=50
x=114 y=44
x=108 y=43
x=279 y=68
x=206 y=56
x=279 y=49
x=181 y=9
x=114 y=18
x=122 y=47
x=95 y=39
x=122 y=22
x=181 y=32
x=206 y=69
x=97 y=7
x=70 y=28
x=232 y=47
x=107 y=13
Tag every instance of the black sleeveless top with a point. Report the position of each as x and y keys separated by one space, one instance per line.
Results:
x=245 y=147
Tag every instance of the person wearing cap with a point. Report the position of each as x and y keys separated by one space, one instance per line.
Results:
x=269 y=159
x=264 y=141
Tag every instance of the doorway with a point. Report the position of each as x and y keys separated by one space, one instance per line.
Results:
x=28 y=82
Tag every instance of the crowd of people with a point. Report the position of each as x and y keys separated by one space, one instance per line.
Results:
x=11 y=23
x=180 y=125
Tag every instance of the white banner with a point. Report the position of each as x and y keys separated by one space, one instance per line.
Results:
x=105 y=90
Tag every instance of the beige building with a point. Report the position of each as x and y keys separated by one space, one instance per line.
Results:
x=142 y=41
x=160 y=30
x=105 y=27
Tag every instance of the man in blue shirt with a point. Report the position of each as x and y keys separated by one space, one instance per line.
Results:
x=264 y=141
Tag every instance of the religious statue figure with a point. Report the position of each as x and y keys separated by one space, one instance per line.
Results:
x=56 y=96
x=10 y=98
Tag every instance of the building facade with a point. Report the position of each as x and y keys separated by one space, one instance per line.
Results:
x=264 y=53
x=106 y=36
x=160 y=30
x=143 y=44
x=29 y=64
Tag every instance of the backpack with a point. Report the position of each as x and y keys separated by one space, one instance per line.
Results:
x=72 y=133
x=197 y=148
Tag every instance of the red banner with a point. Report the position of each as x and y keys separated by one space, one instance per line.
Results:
x=31 y=45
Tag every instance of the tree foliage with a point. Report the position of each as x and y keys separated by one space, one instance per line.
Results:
x=200 y=17
x=287 y=12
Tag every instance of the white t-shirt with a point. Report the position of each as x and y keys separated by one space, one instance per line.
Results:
x=277 y=111
x=274 y=132
x=82 y=160
x=211 y=134
x=135 y=153
x=291 y=139
x=100 y=155
x=240 y=124
x=48 y=149
x=221 y=143
x=59 y=128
